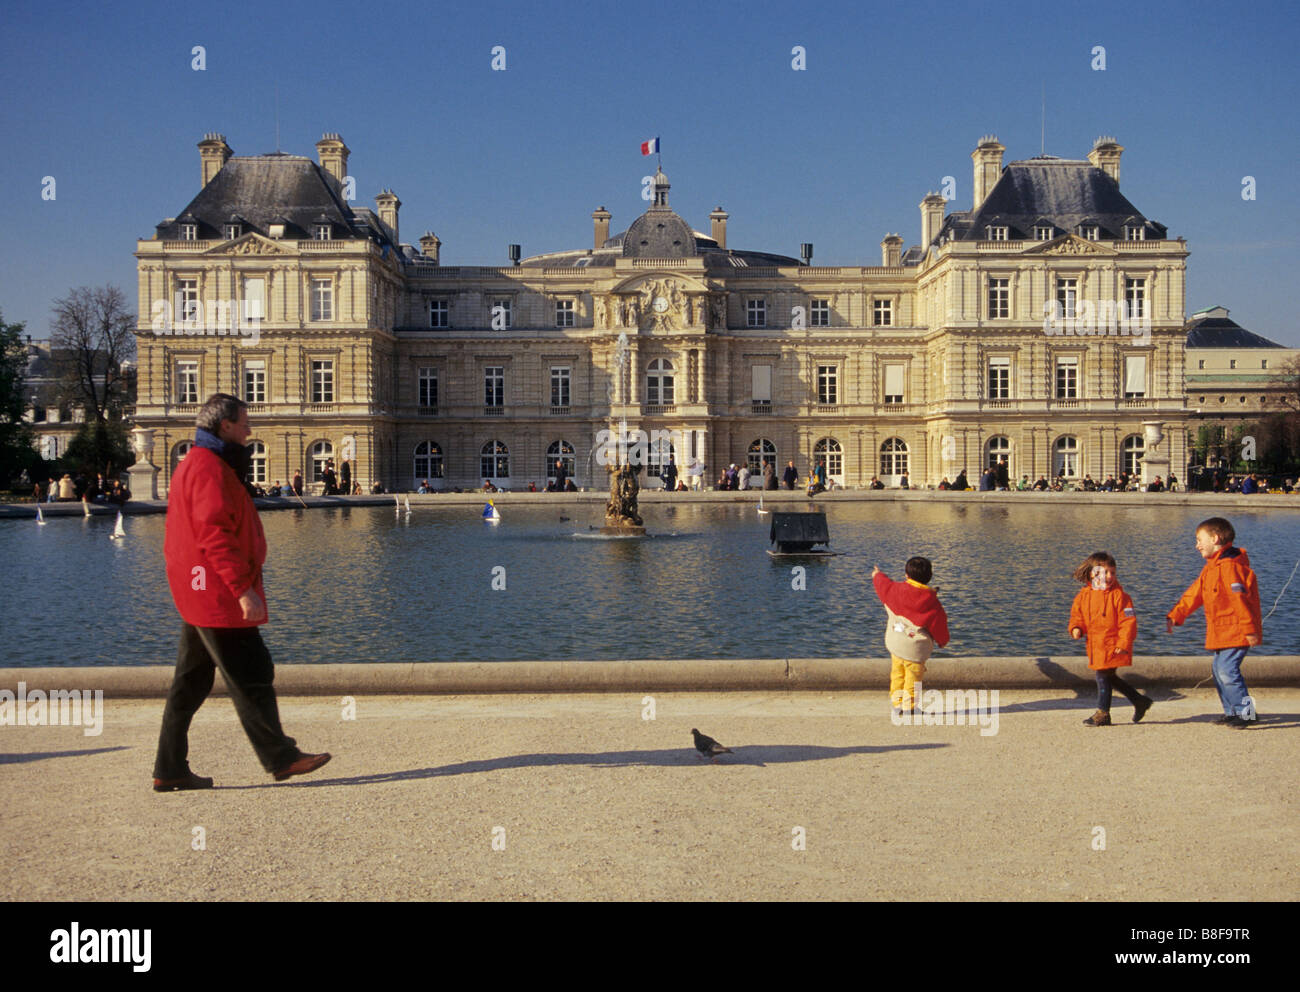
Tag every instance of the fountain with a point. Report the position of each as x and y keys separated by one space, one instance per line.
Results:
x=621 y=516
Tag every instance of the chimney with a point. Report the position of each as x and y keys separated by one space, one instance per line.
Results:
x=891 y=250
x=213 y=153
x=1105 y=156
x=333 y=155
x=718 y=226
x=600 y=217
x=988 y=166
x=931 y=218
x=388 y=204
x=429 y=245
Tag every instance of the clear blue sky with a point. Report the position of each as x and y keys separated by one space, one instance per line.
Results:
x=894 y=97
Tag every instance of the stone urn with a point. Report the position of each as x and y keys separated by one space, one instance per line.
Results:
x=143 y=475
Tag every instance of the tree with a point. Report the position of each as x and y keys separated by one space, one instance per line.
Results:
x=91 y=337
x=100 y=446
x=16 y=452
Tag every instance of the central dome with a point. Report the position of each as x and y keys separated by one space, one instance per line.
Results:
x=659 y=233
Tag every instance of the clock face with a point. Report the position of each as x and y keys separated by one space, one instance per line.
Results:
x=660 y=304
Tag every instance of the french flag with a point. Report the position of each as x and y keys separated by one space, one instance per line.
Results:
x=650 y=147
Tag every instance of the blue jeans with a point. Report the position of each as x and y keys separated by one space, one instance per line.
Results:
x=1228 y=679
x=1108 y=679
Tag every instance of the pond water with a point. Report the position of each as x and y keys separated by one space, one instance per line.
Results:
x=361 y=584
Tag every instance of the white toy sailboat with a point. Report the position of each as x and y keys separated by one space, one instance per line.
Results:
x=408 y=504
x=397 y=503
x=119 y=531
x=85 y=506
x=40 y=517
x=762 y=512
x=491 y=514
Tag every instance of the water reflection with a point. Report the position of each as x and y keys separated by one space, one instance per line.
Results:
x=367 y=584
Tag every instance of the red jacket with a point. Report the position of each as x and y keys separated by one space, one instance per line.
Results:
x=1228 y=589
x=915 y=602
x=1108 y=621
x=214 y=546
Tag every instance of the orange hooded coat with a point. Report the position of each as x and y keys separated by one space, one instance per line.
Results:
x=1228 y=589
x=1108 y=621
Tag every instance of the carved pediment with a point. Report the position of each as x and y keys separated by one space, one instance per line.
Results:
x=655 y=303
x=1070 y=244
x=249 y=244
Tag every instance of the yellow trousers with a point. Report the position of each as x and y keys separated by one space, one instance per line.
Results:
x=903 y=675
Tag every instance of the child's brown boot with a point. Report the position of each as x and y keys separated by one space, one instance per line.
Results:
x=1099 y=719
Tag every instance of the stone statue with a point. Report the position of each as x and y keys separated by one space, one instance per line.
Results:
x=621 y=514
x=599 y=304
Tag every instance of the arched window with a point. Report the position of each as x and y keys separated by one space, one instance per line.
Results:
x=179 y=452
x=659 y=383
x=893 y=457
x=494 y=461
x=320 y=453
x=561 y=451
x=1065 y=455
x=428 y=461
x=830 y=450
x=761 y=454
x=660 y=449
x=257 y=463
x=998 y=446
x=1135 y=446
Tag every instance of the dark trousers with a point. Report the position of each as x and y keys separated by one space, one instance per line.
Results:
x=1107 y=679
x=245 y=664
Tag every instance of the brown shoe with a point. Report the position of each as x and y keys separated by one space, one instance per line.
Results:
x=190 y=781
x=1099 y=719
x=305 y=763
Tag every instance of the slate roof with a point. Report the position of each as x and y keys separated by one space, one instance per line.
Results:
x=265 y=189
x=1065 y=193
x=665 y=235
x=1222 y=332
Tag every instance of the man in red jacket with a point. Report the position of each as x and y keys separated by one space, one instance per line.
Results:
x=214 y=549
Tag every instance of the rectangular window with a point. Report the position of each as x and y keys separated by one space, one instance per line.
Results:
x=999 y=298
x=1135 y=298
x=189 y=232
x=427 y=379
x=321 y=232
x=996 y=233
x=821 y=313
x=255 y=380
x=322 y=380
x=1067 y=292
x=828 y=385
x=230 y=231
x=1200 y=363
x=187 y=292
x=322 y=299
x=894 y=382
x=882 y=314
x=762 y=383
x=254 y=298
x=1263 y=363
x=999 y=378
x=494 y=385
x=187 y=382
x=439 y=313
x=559 y=385
x=1043 y=232
x=502 y=315
x=1067 y=377
x=1135 y=376
x=1134 y=232
x=757 y=312
x=1089 y=232
x=563 y=313
x=1232 y=363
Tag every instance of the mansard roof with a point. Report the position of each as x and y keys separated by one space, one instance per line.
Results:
x=1045 y=189
x=276 y=188
x=1214 y=331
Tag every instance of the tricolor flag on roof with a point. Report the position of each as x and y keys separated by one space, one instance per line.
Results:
x=650 y=147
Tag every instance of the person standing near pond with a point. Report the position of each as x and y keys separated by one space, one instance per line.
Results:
x=916 y=624
x=1103 y=613
x=791 y=476
x=214 y=549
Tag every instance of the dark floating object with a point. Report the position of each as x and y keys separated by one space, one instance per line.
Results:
x=796 y=533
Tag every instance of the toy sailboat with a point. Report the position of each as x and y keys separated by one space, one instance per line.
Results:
x=408 y=504
x=397 y=503
x=119 y=531
x=762 y=512
x=40 y=517
x=85 y=506
x=491 y=514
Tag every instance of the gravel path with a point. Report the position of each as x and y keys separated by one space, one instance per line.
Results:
x=590 y=801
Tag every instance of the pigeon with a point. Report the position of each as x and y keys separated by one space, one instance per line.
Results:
x=708 y=747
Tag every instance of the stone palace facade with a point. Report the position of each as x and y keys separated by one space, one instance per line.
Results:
x=1044 y=325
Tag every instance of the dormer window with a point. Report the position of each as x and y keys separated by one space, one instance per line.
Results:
x=276 y=229
x=1043 y=232
x=1134 y=232
x=1088 y=232
x=189 y=232
x=997 y=233
x=320 y=232
x=231 y=231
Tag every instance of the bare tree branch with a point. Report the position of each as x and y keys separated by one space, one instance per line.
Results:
x=92 y=336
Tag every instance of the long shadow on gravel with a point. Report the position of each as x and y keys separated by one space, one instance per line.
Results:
x=755 y=754
x=18 y=759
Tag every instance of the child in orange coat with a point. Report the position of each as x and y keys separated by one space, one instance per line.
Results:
x=1103 y=612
